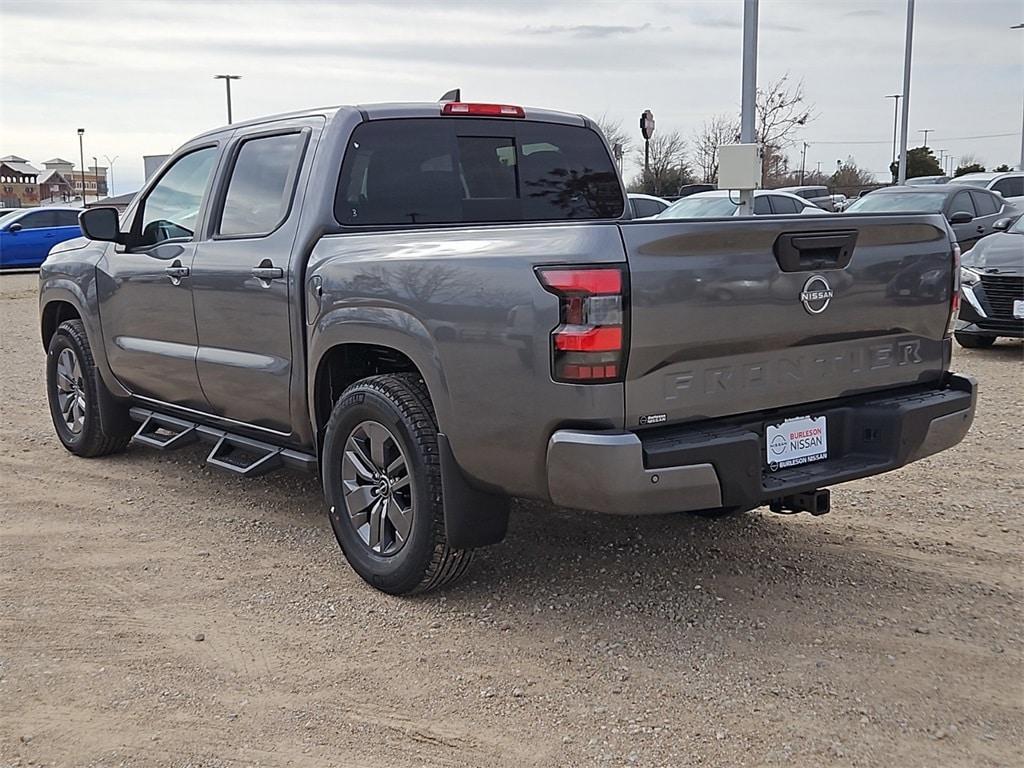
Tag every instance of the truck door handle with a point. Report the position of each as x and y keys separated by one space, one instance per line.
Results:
x=266 y=271
x=176 y=272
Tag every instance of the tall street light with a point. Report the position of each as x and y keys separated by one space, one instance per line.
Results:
x=1021 y=165
x=227 y=82
x=895 y=120
x=906 y=92
x=96 y=173
x=81 y=159
x=110 y=179
x=748 y=103
x=926 y=131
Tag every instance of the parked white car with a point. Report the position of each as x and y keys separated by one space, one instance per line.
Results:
x=723 y=202
x=1009 y=184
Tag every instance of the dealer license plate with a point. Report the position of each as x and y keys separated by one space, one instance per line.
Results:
x=1018 y=309
x=796 y=441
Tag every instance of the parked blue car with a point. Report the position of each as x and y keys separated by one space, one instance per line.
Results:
x=27 y=235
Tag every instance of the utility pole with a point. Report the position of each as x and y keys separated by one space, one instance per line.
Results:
x=96 y=173
x=749 y=101
x=907 y=51
x=926 y=131
x=81 y=159
x=227 y=82
x=895 y=120
x=803 y=161
x=1020 y=166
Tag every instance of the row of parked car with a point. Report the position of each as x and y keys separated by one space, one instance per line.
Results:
x=984 y=215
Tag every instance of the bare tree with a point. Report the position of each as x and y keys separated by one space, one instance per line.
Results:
x=669 y=169
x=782 y=111
x=849 y=175
x=719 y=130
x=614 y=133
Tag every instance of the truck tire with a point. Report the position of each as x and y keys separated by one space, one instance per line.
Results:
x=382 y=481
x=971 y=341
x=73 y=389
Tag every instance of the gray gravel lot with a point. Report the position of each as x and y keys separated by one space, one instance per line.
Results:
x=154 y=612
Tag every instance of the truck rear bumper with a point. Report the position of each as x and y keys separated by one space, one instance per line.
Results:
x=722 y=462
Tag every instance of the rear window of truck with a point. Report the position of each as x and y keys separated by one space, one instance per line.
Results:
x=463 y=170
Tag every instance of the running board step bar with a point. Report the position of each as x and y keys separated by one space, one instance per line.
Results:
x=242 y=456
x=165 y=433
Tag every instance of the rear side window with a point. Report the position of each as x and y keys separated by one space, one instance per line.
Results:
x=985 y=204
x=643 y=208
x=781 y=204
x=1011 y=186
x=260 y=189
x=458 y=170
x=67 y=218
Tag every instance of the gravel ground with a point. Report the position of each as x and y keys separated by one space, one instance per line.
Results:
x=157 y=613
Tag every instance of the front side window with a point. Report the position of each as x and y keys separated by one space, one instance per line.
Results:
x=171 y=209
x=962 y=202
x=261 y=185
x=701 y=207
x=761 y=206
x=462 y=170
x=38 y=220
x=899 y=202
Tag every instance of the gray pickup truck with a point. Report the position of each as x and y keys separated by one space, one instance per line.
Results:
x=438 y=306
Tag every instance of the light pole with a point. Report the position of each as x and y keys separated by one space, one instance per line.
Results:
x=110 y=182
x=748 y=106
x=803 y=162
x=81 y=159
x=906 y=91
x=227 y=82
x=926 y=131
x=1021 y=165
x=942 y=159
x=895 y=120
x=96 y=174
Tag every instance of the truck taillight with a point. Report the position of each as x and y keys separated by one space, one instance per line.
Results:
x=589 y=344
x=954 y=301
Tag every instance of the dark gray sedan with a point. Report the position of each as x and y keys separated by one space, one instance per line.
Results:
x=992 y=288
x=970 y=212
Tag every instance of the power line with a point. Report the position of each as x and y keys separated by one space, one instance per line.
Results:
x=950 y=138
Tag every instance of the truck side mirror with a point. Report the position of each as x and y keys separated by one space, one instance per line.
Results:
x=101 y=224
x=961 y=217
x=1001 y=225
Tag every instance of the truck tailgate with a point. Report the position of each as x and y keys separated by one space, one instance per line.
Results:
x=733 y=316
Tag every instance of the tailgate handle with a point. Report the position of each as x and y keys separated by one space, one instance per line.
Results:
x=807 y=251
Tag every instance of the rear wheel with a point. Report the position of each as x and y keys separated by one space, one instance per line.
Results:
x=73 y=390
x=382 y=481
x=972 y=341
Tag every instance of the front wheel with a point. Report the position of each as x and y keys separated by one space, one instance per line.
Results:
x=73 y=390
x=382 y=482
x=972 y=341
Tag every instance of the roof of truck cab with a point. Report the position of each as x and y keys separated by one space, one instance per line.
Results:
x=387 y=111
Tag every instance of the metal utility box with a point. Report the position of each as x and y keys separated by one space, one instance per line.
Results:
x=739 y=166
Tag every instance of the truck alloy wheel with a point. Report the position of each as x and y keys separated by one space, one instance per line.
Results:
x=377 y=487
x=70 y=391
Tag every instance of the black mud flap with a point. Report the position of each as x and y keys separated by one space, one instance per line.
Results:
x=472 y=518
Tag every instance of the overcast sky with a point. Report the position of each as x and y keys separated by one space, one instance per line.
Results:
x=138 y=75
